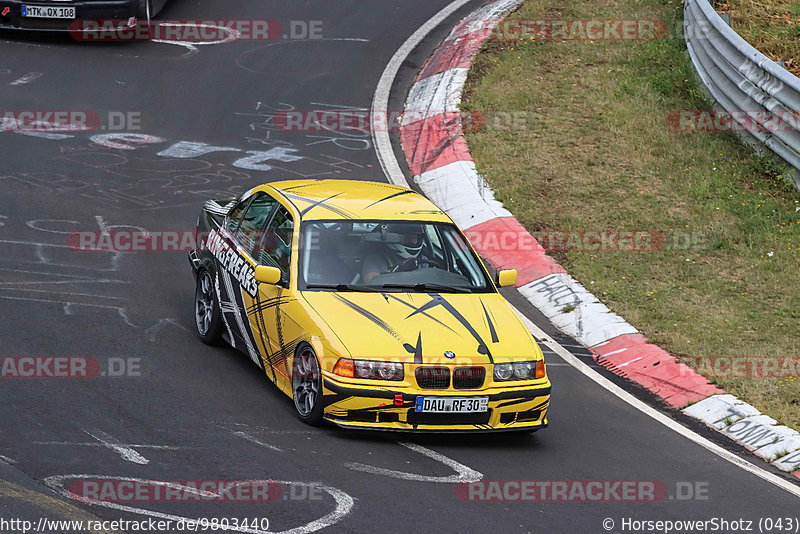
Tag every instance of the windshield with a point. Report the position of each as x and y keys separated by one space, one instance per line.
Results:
x=388 y=256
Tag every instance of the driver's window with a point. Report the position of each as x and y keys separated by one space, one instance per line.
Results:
x=235 y=216
x=276 y=246
x=249 y=232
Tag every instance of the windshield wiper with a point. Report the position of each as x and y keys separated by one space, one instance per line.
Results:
x=345 y=287
x=428 y=287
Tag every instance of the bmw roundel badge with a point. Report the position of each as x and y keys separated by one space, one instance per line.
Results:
x=449 y=354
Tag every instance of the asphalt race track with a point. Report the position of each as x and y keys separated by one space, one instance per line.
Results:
x=196 y=412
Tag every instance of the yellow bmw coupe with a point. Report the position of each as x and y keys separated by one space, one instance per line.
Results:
x=367 y=306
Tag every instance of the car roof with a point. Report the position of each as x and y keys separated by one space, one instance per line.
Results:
x=356 y=200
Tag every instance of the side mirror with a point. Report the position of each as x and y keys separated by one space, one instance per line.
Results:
x=270 y=275
x=506 y=277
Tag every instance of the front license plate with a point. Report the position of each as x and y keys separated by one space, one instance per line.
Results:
x=48 y=12
x=452 y=404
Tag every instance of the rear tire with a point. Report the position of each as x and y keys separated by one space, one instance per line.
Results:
x=307 y=385
x=207 y=317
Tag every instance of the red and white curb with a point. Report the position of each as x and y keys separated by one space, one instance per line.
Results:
x=441 y=165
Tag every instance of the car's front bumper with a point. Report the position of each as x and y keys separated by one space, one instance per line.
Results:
x=119 y=10
x=346 y=405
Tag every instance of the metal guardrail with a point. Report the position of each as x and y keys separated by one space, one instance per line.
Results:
x=740 y=79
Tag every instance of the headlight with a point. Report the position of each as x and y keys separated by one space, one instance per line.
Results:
x=524 y=370
x=519 y=371
x=503 y=371
x=370 y=369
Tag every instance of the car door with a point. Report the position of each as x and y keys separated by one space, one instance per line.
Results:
x=272 y=309
x=240 y=235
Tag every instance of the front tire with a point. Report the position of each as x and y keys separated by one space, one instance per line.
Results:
x=307 y=386
x=146 y=10
x=207 y=317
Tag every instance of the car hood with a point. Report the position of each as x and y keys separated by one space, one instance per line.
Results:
x=421 y=327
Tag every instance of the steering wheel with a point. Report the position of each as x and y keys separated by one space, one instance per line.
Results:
x=436 y=262
x=439 y=263
x=401 y=266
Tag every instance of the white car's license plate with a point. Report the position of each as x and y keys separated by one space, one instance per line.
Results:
x=48 y=12
x=452 y=404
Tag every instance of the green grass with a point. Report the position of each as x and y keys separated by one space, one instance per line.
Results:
x=772 y=26
x=599 y=156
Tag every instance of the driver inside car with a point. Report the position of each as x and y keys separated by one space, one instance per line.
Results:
x=397 y=248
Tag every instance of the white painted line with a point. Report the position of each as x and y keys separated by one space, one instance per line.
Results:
x=655 y=414
x=27 y=78
x=233 y=426
x=344 y=502
x=620 y=366
x=6 y=460
x=463 y=473
x=613 y=351
x=128 y=445
x=380 y=101
x=115 y=445
x=251 y=439
x=191 y=46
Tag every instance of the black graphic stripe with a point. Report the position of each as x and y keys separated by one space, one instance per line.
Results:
x=290 y=188
x=438 y=300
x=482 y=347
x=416 y=351
x=281 y=355
x=427 y=306
x=398 y=194
x=417 y=310
x=320 y=203
x=492 y=331
x=371 y=316
x=262 y=329
x=262 y=305
x=520 y=401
